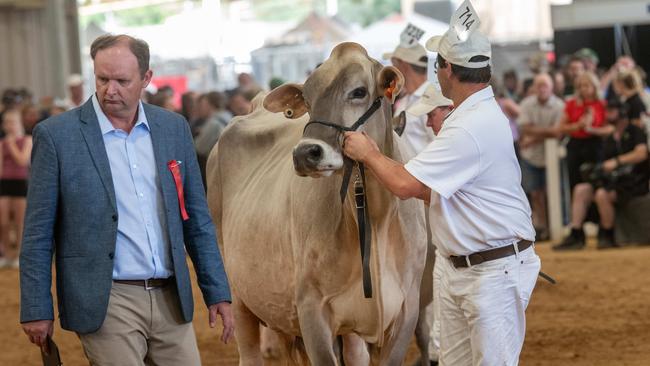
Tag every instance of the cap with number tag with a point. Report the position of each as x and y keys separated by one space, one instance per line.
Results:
x=409 y=48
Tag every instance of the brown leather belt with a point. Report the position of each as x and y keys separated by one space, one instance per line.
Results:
x=489 y=255
x=147 y=284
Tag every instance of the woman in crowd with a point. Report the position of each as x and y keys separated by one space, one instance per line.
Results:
x=628 y=87
x=15 y=152
x=584 y=121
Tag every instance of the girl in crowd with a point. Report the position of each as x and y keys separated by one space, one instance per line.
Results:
x=15 y=152
x=584 y=121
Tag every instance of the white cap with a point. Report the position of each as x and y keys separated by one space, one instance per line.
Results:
x=430 y=100
x=460 y=53
x=75 y=80
x=415 y=55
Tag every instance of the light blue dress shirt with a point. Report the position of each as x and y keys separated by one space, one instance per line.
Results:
x=142 y=249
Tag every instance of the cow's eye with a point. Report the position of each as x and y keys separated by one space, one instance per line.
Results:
x=358 y=93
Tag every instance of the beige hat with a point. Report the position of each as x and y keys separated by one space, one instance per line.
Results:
x=415 y=55
x=430 y=100
x=460 y=53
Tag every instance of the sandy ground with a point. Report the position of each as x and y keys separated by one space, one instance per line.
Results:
x=597 y=314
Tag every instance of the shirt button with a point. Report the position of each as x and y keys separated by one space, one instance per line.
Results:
x=135 y=166
x=141 y=195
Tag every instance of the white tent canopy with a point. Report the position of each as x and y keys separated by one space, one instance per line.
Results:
x=383 y=36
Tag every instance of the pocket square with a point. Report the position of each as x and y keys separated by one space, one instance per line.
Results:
x=174 y=168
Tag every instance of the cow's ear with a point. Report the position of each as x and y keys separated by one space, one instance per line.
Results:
x=390 y=82
x=287 y=99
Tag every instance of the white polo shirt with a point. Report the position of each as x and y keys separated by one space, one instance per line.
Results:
x=477 y=202
x=416 y=135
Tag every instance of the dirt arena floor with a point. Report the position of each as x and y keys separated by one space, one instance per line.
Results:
x=597 y=314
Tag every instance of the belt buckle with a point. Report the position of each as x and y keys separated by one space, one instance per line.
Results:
x=146 y=285
x=469 y=264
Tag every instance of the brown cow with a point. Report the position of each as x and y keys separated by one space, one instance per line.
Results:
x=291 y=248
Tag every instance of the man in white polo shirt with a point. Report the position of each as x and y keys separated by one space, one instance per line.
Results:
x=486 y=265
x=412 y=63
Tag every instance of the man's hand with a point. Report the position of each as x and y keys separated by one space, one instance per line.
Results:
x=224 y=310
x=609 y=165
x=37 y=332
x=358 y=146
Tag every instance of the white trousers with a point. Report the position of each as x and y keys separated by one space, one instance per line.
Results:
x=480 y=310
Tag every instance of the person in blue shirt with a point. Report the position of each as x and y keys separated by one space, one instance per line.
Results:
x=116 y=197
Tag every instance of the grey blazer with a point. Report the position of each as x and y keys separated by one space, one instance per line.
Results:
x=72 y=215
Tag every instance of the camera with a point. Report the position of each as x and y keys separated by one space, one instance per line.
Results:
x=594 y=174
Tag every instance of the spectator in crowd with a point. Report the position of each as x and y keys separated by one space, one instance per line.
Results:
x=537 y=120
x=239 y=104
x=10 y=100
x=622 y=176
x=246 y=84
x=511 y=85
x=623 y=63
x=510 y=109
x=584 y=121
x=31 y=116
x=559 y=84
x=164 y=99
x=116 y=190
x=575 y=67
x=190 y=105
x=412 y=63
x=203 y=112
x=527 y=88
x=628 y=87
x=15 y=152
x=218 y=118
x=589 y=58
x=75 y=91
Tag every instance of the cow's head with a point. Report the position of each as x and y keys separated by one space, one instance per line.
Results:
x=340 y=91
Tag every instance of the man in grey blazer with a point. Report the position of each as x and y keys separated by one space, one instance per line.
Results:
x=116 y=197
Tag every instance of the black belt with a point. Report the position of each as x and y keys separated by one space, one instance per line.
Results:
x=489 y=255
x=147 y=284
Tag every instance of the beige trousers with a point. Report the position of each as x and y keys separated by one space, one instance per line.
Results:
x=142 y=327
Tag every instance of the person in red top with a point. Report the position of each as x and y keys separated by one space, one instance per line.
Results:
x=15 y=152
x=584 y=121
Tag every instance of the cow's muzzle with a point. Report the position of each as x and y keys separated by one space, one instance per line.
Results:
x=315 y=158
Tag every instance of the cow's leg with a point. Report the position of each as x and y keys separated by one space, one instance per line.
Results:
x=425 y=316
x=270 y=343
x=355 y=350
x=395 y=346
x=247 y=335
x=315 y=329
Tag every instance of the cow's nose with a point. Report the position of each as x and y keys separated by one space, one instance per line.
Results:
x=311 y=152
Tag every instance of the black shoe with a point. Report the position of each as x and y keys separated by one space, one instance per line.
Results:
x=571 y=242
x=606 y=239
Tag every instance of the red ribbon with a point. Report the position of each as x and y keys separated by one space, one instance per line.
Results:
x=173 y=166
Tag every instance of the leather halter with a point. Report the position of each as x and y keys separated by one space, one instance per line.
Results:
x=361 y=202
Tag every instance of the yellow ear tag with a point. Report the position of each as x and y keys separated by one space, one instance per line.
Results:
x=389 y=91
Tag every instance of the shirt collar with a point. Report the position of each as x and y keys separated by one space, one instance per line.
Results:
x=479 y=96
x=106 y=126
